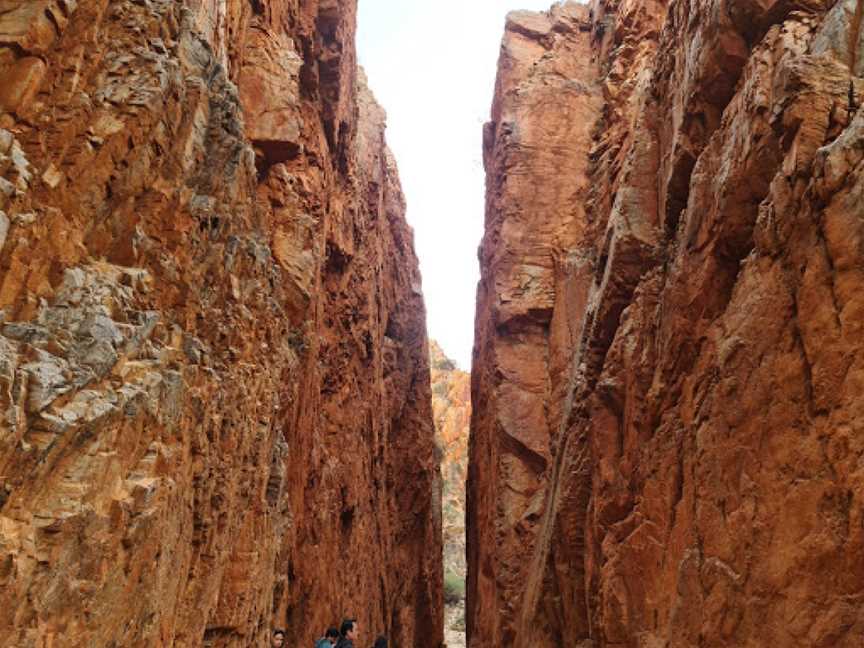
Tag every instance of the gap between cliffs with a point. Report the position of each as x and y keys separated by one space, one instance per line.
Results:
x=220 y=410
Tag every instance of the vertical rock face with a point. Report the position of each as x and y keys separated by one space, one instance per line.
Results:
x=667 y=428
x=532 y=291
x=215 y=395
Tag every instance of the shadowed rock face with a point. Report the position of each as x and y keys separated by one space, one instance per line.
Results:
x=214 y=375
x=666 y=436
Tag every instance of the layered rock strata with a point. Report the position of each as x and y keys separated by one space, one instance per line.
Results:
x=213 y=359
x=667 y=427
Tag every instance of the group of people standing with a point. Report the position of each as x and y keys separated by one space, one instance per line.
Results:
x=344 y=637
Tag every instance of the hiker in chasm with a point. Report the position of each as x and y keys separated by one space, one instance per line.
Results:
x=349 y=632
x=277 y=639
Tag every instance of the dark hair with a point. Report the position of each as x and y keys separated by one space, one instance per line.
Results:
x=331 y=632
x=279 y=631
x=380 y=642
x=347 y=626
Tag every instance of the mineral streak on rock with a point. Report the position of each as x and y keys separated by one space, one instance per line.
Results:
x=667 y=432
x=214 y=375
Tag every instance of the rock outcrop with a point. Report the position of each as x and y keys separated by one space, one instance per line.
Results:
x=667 y=426
x=216 y=409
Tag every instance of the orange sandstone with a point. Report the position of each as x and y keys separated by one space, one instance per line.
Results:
x=215 y=392
x=668 y=364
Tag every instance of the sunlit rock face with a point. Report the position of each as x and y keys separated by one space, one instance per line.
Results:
x=667 y=423
x=216 y=408
x=451 y=409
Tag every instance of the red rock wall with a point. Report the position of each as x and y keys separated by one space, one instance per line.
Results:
x=530 y=293
x=214 y=368
x=700 y=482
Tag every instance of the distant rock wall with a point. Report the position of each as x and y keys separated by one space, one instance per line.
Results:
x=214 y=376
x=451 y=409
x=667 y=426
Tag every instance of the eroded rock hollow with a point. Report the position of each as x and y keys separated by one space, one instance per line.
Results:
x=216 y=411
x=668 y=428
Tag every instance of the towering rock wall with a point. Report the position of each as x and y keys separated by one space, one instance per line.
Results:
x=667 y=434
x=535 y=151
x=214 y=370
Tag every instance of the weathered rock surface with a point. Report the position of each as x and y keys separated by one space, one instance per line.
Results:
x=668 y=430
x=536 y=155
x=214 y=375
x=451 y=409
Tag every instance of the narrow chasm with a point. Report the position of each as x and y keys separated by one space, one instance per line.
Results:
x=223 y=423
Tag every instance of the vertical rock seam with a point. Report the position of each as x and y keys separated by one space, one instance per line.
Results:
x=667 y=434
x=214 y=372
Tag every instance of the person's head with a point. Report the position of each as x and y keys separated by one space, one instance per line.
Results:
x=349 y=629
x=380 y=642
x=332 y=634
x=278 y=639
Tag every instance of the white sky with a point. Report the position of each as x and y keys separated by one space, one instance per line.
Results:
x=431 y=64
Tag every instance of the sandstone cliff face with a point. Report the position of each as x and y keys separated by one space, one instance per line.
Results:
x=667 y=426
x=214 y=370
x=530 y=295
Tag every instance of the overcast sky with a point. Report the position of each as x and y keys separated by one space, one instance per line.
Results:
x=432 y=63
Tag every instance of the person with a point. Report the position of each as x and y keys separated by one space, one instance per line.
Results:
x=349 y=633
x=380 y=642
x=277 y=640
x=329 y=639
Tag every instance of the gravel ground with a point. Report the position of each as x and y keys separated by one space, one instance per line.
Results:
x=454 y=615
